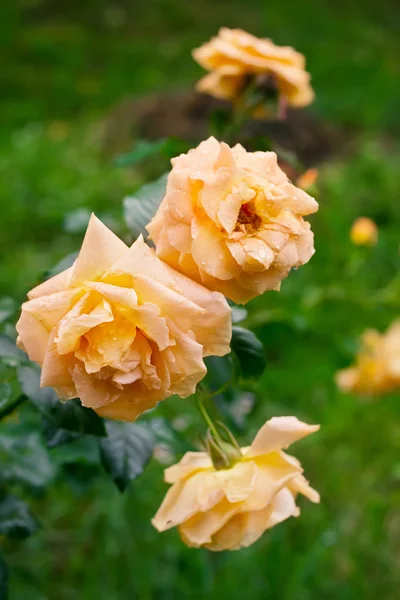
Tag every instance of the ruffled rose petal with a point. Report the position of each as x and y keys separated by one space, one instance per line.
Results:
x=101 y=248
x=278 y=433
x=75 y=324
x=49 y=309
x=55 y=284
x=56 y=368
x=211 y=253
x=182 y=502
x=32 y=337
x=190 y=463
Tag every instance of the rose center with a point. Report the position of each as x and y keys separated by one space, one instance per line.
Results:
x=248 y=217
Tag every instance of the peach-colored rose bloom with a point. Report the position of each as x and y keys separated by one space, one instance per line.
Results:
x=231 y=508
x=233 y=55
x=120 y=329
x=364 y=232
x=232 y=220
x=377 y=368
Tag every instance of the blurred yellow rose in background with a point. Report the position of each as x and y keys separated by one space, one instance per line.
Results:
x=233 y=55
x=120 y=329
x=231 y=508
x=377 y=368
x=232 y=220
x=364 y=232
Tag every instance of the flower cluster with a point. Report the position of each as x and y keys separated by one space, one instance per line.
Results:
x=126 y=327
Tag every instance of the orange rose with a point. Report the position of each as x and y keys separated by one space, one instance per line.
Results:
x=377 y=368
x=229 y=509
x=120 y=329
x=234 y=54
x=232 y=220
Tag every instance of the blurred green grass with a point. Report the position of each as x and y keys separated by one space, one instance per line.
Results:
x=68 y=62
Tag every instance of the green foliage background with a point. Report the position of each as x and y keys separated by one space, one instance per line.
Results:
x=66 y=64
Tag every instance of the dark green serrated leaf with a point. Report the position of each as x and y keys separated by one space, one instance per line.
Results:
x=70 y=415
x=83 y=450
x=249 y=352
x=56 y=436
x=16 y=520
x=125 y=451
x=3 y=579
x=63 y=264
x=140 y=208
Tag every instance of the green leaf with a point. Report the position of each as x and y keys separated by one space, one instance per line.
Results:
x=70 y=415
x=125 y=451
x=239 y=313
x=140 y=208
x=56 y=436
x=249 y=352
x=9 y=353
x=219 y=371
x=25 y=460
x=3 y=579
x=63 y=264
x=8 y=400
x=16 y=520
x=142 y=149
x=7 y=308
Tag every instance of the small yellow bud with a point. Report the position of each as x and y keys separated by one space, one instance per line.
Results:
x=364 y=232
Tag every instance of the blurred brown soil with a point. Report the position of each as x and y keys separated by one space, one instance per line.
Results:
x=185 y=115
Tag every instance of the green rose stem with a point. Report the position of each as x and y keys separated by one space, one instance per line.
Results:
x=223 y=453
x=206 y=417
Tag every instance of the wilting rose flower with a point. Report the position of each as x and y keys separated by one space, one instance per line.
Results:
x=377 y=368
x=234 y=55
x=232 y=220
x=231 y=508
x=364 y=232
x=120 y=329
